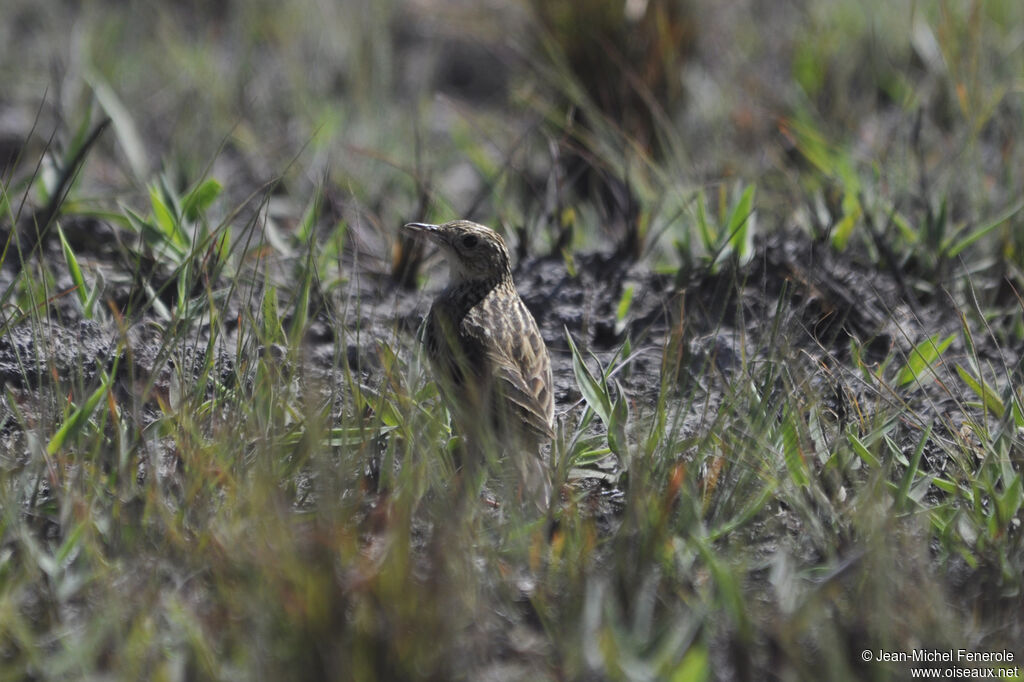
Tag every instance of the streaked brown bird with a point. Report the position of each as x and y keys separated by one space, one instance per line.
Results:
x=487 y=352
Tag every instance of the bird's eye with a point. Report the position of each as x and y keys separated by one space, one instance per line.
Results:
x=469 y=241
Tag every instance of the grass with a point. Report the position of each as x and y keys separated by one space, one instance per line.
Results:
x=222 y=458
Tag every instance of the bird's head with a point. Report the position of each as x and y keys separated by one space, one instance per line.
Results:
x=474 y=252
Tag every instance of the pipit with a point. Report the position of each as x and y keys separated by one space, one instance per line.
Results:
x=487 y=352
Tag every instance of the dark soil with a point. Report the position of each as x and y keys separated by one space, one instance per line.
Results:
x=793 y=293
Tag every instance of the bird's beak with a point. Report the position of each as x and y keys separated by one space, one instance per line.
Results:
x=422 y=228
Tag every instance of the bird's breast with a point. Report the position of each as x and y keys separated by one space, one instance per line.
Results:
x=456 y=357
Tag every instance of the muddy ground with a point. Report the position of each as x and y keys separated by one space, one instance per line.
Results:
x=817 y=303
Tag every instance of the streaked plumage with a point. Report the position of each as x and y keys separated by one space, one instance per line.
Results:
x=486 y=349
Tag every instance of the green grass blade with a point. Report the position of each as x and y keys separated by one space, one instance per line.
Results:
x=922 y=357
x=272 y=331
x=740 y=226
x=76 y=272
x=594 y=393
x=78 y=417
x=165 y=220
x=310 y=216
x=844 y=228
x=708 y=233
x=862 y=451
x=301 y=317
x=616 y=423
x=796 y=463
x=987 y=394
x=1009 y=503
x=124 y=125
x=746 y=514
x=903 y=492
x=985 y=229
x=200 y=198
x=695 y=666
x=1018 y=413
x=625 y=301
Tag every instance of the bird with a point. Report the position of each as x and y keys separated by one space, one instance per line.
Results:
x=487 y=352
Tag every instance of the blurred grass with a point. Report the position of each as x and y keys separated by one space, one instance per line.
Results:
x=230 y=509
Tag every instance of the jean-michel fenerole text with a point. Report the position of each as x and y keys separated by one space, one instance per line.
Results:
x=946 y=656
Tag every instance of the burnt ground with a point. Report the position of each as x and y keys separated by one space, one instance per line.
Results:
x=688 y=332
x=817 y=319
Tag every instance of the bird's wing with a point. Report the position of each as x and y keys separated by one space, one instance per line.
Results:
x=515 y=349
